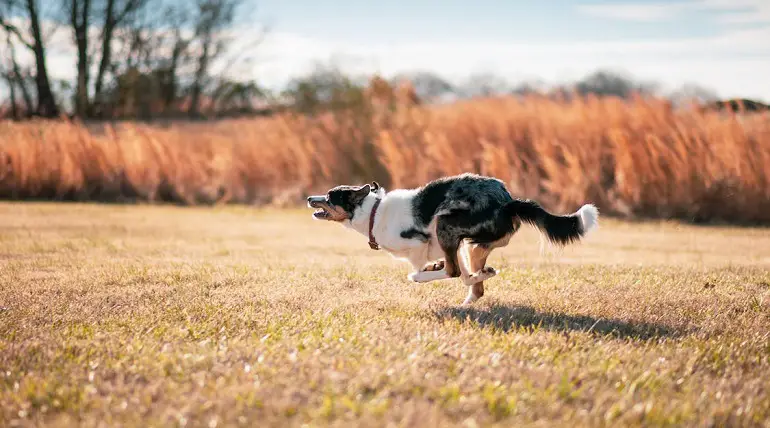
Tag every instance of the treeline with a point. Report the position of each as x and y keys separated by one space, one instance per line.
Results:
x=133 y=58
x=328 y=88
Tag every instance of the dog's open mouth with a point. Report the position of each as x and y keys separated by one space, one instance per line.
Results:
x=321 y=214
x=321 y=207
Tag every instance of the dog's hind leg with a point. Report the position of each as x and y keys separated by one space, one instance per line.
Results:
x=477 y=255
x=477 y=258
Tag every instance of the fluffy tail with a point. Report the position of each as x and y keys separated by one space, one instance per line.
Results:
x=558 y=229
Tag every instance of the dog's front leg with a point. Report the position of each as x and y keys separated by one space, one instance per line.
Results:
x=424 y=269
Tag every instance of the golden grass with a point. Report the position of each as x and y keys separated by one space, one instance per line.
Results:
x=169 y=316
x=637 y=158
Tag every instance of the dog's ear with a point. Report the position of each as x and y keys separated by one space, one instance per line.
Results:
x=375 y=186
x=359 y=195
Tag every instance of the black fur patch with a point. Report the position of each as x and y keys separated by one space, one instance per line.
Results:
x=429 y=198
x=415 y=234
x=468 y=206
x=560 y=229
x=348 y=197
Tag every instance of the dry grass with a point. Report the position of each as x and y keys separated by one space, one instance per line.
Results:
x=633 y=159
x=165 y=316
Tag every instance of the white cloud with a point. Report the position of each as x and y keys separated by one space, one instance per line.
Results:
x=640 y=12
x=716 y=62
x=729 y=11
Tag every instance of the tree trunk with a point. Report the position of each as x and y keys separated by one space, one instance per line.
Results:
x=105 y=61
x=80 y=28
x=171 y=85
x=200 y=74
x=12 y=88
x=46 y=103
x=18 y=78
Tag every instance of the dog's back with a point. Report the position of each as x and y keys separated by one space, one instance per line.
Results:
x=482 y=210
x=470 y=194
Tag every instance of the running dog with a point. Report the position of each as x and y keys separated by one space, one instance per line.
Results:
x=428 y=226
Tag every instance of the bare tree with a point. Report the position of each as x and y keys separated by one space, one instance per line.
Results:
x=33 y=40
x=213 y=16
x=135 y=56
x=109 y=16
x=16 y=78
x=180 y=41
x=79 y=19
x=8 y=76
x=115 y=15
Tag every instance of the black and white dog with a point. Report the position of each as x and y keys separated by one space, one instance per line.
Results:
x=466 y=214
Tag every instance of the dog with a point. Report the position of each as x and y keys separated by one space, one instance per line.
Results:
x=465 y=216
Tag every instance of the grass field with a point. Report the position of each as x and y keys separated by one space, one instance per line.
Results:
x=166 y=316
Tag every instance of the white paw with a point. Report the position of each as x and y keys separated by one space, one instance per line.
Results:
x=482 y=275
x=420 y=276
x=428 y=276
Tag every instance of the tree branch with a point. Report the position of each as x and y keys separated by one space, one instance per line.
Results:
x=130 y=6
x=10 y=28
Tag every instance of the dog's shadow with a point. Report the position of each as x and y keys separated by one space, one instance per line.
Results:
x=509 y=318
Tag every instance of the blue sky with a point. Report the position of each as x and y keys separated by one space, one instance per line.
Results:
x=721 y=44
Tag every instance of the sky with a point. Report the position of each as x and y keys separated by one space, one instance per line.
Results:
x=723 y=45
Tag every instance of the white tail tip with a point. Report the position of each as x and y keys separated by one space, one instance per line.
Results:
x=589 y=218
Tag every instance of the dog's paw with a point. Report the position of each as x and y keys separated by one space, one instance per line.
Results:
x=427 y=276
x=482 y=275
x=418 y=276
x=433 y=266
x=489 y=270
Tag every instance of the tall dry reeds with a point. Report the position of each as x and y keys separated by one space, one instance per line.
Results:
x=638 y=158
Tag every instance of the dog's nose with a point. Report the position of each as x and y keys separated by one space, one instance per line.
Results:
x=309 y=198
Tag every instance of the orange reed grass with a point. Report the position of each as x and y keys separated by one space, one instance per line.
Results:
x=636 y=158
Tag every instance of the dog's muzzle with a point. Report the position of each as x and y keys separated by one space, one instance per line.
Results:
x=320 y=204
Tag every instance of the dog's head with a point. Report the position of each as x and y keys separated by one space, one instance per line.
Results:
x=340 y=203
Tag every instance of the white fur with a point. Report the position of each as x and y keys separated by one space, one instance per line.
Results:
x=470 y=298
x=393 y=216
x=428 y=276
x=589 y=218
